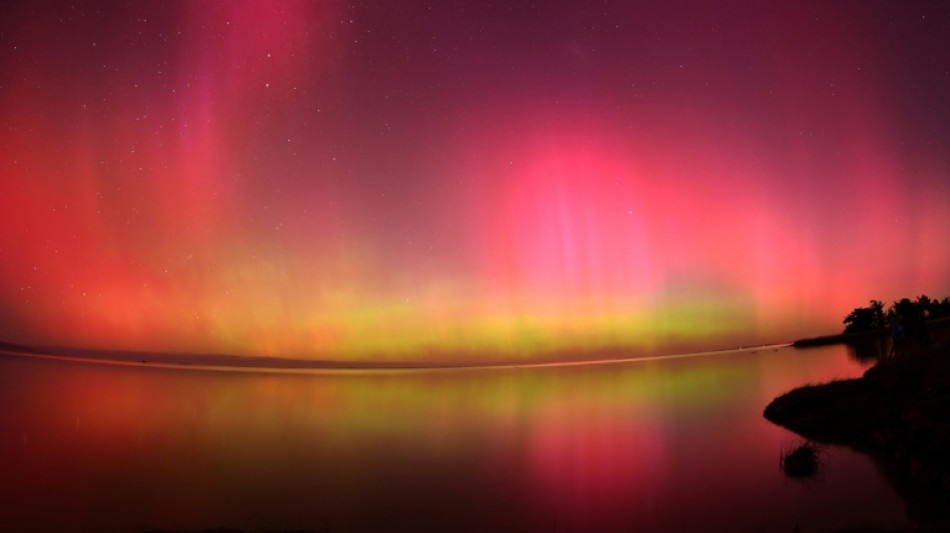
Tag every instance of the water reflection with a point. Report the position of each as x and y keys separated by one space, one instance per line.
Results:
x=661 y=445
x=868 y=349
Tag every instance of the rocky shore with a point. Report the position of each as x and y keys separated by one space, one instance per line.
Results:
x=898 y=412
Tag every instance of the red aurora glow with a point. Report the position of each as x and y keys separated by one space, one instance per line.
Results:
x=322 y=180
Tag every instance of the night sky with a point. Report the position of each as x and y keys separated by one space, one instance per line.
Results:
x=466 y=180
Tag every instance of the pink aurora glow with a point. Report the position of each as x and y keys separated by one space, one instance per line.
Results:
x=310 y=179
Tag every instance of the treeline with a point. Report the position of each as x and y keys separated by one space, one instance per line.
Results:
x=907 y=313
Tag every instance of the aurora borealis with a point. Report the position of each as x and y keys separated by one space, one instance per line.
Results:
x=432 y=180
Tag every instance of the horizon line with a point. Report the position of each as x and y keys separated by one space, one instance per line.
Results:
x=305 y=366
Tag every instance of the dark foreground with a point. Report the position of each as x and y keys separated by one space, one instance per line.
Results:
x=899 y=413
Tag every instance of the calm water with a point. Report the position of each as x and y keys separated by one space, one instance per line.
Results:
x=659 y=445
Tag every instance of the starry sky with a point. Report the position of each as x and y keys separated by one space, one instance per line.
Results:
x=466 y=181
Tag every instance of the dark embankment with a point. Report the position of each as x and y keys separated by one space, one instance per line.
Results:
x=839 y=338
x=898 y=412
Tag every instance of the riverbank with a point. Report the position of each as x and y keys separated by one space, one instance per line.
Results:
x=898 y=412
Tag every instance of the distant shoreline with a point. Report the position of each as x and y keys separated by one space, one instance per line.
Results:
x=825 y=340
x=240 y=363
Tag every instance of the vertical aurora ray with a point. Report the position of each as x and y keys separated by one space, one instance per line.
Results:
x=319 y=180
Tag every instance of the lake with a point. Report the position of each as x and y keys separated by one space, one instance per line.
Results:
x=666 y=444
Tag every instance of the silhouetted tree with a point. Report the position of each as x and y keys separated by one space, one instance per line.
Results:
x=913 y=316
x=940 y=309
x=906 y=320
x=866 y=318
